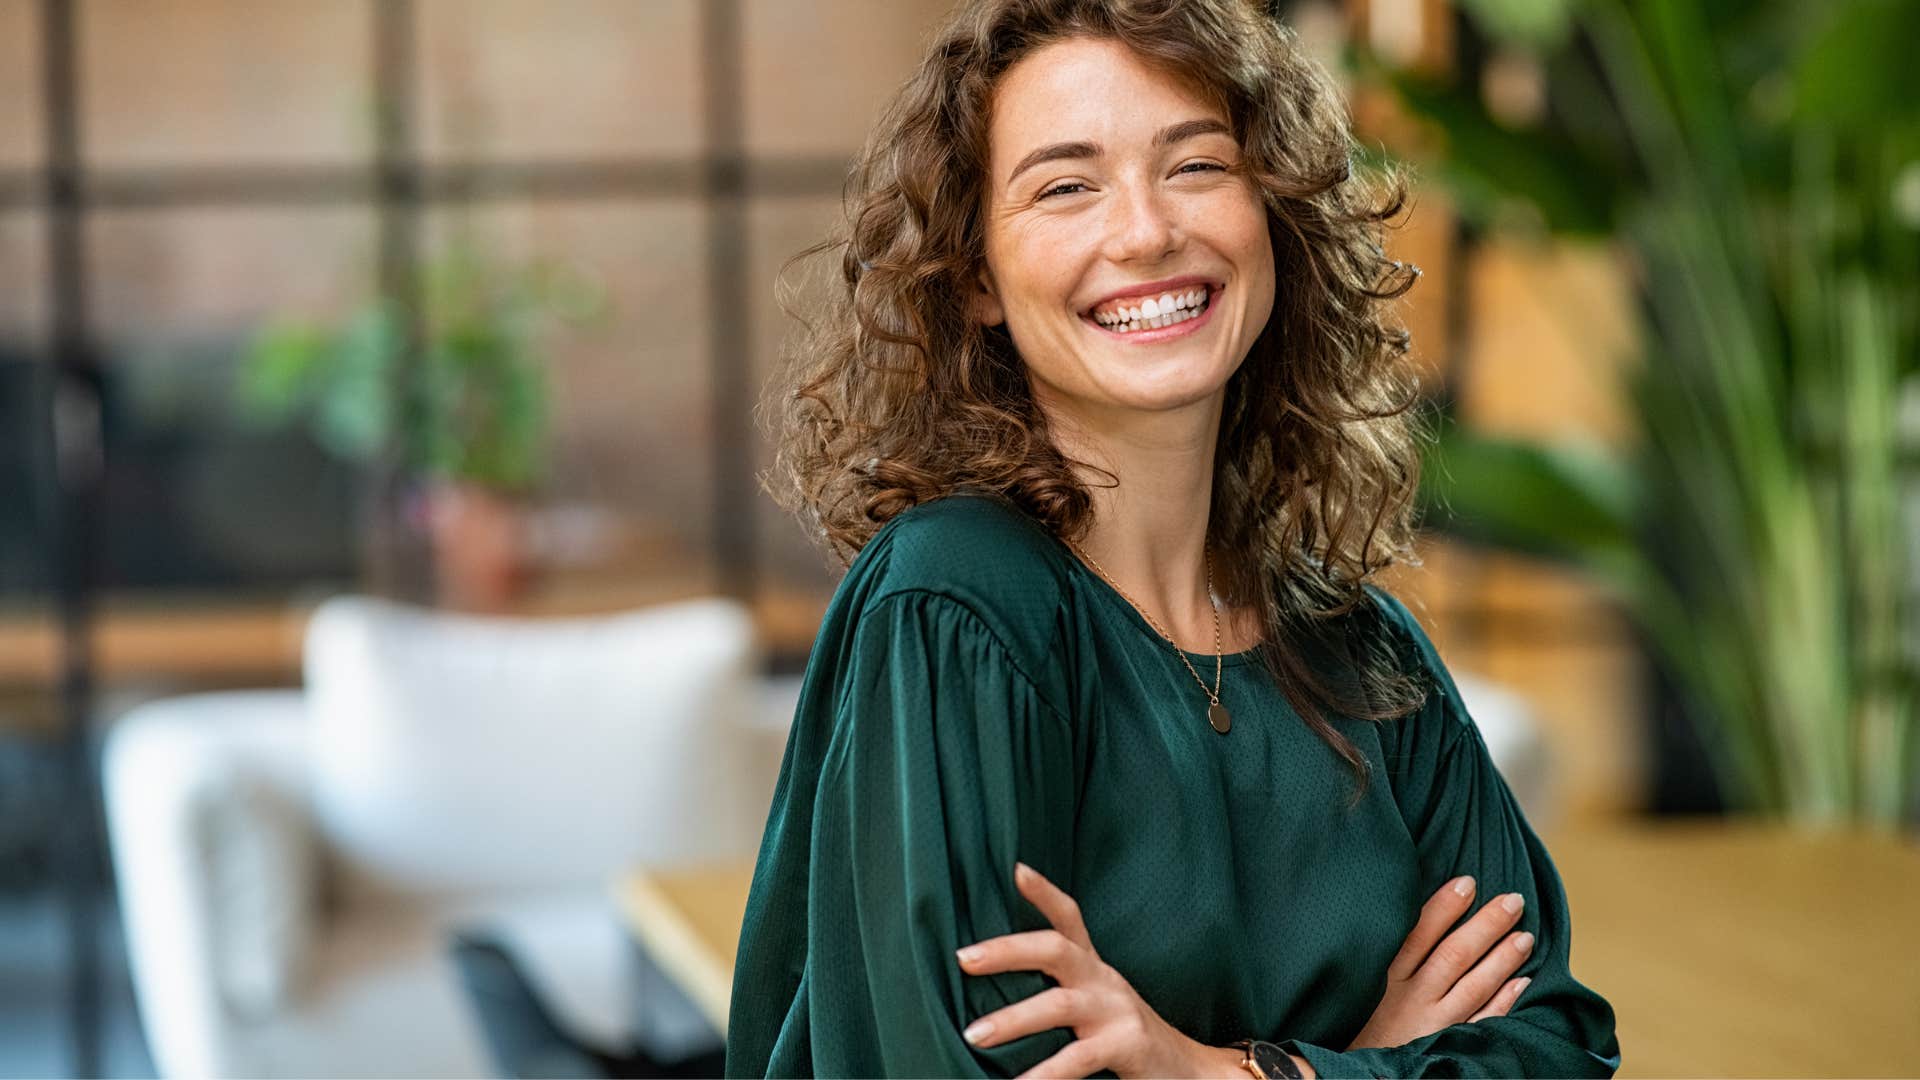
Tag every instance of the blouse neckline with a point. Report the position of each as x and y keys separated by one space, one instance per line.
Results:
x=1132 y=614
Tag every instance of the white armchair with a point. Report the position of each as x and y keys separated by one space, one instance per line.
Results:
x=289 y=861
x=1511 y=727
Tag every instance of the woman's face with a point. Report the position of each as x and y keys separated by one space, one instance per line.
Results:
x=1107 y=205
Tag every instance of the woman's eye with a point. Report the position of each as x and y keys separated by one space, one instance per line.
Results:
x=1067 y=188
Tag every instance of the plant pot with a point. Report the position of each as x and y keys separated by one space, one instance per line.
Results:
x=481 y=554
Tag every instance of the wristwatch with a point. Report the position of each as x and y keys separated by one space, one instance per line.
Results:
x=1267 y=1061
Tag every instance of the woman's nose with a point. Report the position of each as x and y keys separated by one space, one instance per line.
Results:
x=1140 y=227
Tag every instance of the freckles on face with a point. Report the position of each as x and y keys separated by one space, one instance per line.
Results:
x=1110 y=198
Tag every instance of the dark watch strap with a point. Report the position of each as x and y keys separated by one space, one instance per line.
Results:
x=1273 y=1061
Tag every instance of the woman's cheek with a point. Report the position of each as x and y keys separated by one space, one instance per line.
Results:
x=1059 y=232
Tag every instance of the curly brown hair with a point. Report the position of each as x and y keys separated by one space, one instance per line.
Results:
x=892 y=395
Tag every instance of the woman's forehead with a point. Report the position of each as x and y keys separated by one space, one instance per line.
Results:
x=1087 y=89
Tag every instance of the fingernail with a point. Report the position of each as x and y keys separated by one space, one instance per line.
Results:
x=1463 y=884
x=1523 y=987
x=1523 y=942
x=1514 y=902
x=1021 y=869
x=978 y=1030
x=969 y=954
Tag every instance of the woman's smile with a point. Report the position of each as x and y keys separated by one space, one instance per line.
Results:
x=1155 y=316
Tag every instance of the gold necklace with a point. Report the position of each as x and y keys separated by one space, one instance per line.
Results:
x=1217 y=714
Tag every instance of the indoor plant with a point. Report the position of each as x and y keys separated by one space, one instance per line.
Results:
x=474 y=443
x=1758 y=166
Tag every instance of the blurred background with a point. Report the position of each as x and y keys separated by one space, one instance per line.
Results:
x=396 y=650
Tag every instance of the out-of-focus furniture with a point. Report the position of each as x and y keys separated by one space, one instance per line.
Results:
x=1513 y=733
x=291 y=862
x=1726 y=949
x=688 y=920
x=529 y=1042
x=210 y=637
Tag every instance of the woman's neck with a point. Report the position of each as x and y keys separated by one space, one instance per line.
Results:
x=1149 y=532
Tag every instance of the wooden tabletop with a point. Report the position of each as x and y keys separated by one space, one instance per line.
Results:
x=689 y=920
x=1749 y=949
x=1726 y=949
x=222 y=640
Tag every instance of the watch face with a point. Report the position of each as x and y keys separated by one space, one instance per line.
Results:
x=1274 y=1061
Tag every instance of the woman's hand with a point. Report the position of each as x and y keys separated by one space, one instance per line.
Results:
x=1115 y=1028
x=1429 y=987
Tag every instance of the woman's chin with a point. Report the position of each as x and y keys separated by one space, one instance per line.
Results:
x=1156 y=385
x=1178 y=390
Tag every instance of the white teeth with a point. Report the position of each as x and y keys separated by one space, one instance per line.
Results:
x=1154 y=312
x=1152 y=308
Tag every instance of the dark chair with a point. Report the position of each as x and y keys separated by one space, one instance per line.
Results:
x=528 y=1041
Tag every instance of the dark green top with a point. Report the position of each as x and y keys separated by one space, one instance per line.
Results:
x=977 y=696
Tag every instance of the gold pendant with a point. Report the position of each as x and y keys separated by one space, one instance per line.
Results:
x=1217 y=716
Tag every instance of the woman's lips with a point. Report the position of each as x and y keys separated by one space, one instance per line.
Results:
x=1163 y=333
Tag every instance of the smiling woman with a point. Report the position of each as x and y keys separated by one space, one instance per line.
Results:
x=1108 y=417
x=1073 y=220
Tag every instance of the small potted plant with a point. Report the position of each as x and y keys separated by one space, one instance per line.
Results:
x=474 y=434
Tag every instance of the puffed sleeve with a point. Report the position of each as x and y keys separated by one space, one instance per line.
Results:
x=947 y=765
x=1465 y=820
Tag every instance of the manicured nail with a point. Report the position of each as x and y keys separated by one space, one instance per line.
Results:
x=1463 y=884
x=969 y=954
x=1522 y=988
x=1514 y=902
x=978 y=1030
x=1021 y=870
x=1524 y=942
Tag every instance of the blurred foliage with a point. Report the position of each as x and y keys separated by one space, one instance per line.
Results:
x=1759 y=164
x=479 y=388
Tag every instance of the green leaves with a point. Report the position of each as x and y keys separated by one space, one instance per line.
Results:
x=1569 y=501
x=1484 y=162
x=336 y=378
x=1859 y=69
x=474 y=406
x=1762 y=153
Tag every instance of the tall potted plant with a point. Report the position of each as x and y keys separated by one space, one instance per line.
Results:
x=1759 y=165
x=477 y=437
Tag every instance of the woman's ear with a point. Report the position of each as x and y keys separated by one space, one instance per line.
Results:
x=985 y=301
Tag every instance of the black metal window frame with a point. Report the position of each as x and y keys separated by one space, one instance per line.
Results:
x=400 y=185
x=65 y=188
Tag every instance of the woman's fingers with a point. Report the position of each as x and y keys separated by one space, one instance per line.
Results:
x=1059 y=908
x=1503 y=1001
x=1079 y=1058
x=1440 y=978
x=1048 y=1009
x=1479 y=986
x=1061 y=952
x=1032 y=950
x=1440 y=911
x=1460 y=950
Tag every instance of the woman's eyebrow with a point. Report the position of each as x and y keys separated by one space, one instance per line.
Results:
x=1172 y=133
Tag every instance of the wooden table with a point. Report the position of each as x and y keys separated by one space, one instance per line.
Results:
x=1726 y=949
x=689 y=922
x=1749 y=949
x=218 y=640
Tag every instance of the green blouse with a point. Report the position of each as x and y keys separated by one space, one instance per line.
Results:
x=977 y=696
